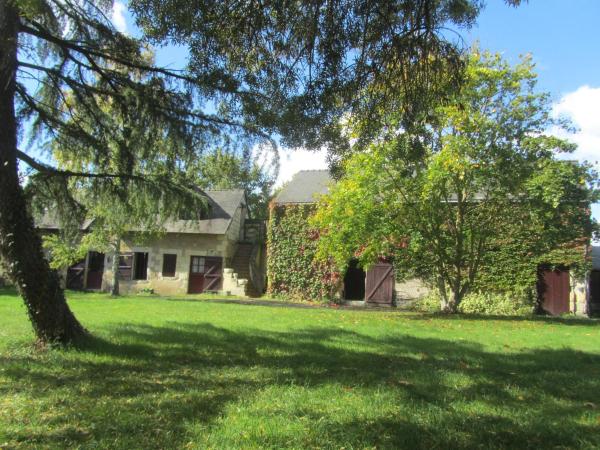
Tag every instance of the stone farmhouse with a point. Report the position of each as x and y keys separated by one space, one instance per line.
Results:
x=560 y=292
x=226 y=253
x=222 y=253
x=376 y=286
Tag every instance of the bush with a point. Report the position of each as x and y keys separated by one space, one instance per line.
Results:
x=429 y=304
x=492 y=303
x=146 y=291
x=501 y=304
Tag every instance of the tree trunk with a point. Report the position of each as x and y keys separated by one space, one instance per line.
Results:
x=114 y=291
x=444 y=301
x=20 y=245
x=451 y=302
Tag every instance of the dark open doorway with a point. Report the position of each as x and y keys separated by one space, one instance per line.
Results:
x=594 y=304
x=354 y=282
x=95 y=270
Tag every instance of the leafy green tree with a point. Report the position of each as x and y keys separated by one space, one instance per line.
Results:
x=230 y=169
x=128 y=138
x=486 y=171
x=255 y=70
x=325 y=60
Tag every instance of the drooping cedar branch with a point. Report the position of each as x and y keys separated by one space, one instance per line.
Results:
x=50 y=171
x=92 y=54
x=53 y=171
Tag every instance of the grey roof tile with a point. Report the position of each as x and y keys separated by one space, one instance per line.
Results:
x=305 y=186
x=223 y=205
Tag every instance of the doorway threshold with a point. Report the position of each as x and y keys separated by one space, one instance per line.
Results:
x=354 y=303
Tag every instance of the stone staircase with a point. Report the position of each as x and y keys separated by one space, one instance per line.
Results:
x=237 y=277
x=232 y=285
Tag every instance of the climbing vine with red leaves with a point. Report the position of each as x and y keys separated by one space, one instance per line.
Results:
x=293 y=270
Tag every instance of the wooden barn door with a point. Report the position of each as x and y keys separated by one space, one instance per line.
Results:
x=75 y=275
x=213 y=274
x=95 y=270
x=380 y=284
x=555 y=290
x=205 y=274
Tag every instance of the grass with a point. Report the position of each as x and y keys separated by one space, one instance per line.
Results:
x=169 y=373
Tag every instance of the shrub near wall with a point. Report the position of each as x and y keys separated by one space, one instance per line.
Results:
x=292 y=269
x=492 y=303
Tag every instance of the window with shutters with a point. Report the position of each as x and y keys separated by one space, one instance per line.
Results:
x=140 y=266
x=169 y=265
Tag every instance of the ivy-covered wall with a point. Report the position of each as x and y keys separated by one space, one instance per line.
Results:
x=292 y=269
x=509 y=267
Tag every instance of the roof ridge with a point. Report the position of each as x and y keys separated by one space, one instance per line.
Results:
x=303 y=186
x=224 y=190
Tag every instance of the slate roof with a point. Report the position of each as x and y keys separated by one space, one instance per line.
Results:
x=305 y=186
x=223 y=205
x=595 y=257
x=49 y=221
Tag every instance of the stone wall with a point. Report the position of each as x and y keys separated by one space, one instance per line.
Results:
x=411 y=289
x=579 y=296
x=182 y=245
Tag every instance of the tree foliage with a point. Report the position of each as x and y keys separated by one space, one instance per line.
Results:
x=480 y=192
x=227 y=168
x=257 y=70
x=318 y=62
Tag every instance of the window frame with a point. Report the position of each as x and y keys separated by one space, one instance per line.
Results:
x=173 y=265
x=125 y=271
x=136 y=262
x=197 y=263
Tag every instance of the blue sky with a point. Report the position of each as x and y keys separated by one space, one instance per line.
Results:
x=563 y=38
x=561 y=35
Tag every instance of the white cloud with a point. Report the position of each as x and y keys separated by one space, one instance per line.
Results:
x=118 y=16
x=294 y=160
x=582 y=107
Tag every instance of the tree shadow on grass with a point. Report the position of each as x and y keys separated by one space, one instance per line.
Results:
x=539 y=318
x=150 y=386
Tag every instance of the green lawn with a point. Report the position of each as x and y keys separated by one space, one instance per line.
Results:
x=162 y=373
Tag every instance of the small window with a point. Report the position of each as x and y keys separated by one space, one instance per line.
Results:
x=125 y=266
x=140 y=266
x=197 y=264
x=169 y=265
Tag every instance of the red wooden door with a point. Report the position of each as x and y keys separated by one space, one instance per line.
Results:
x=205 y=274
x=555 y=290
x=95 y=270
x=380 y=284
